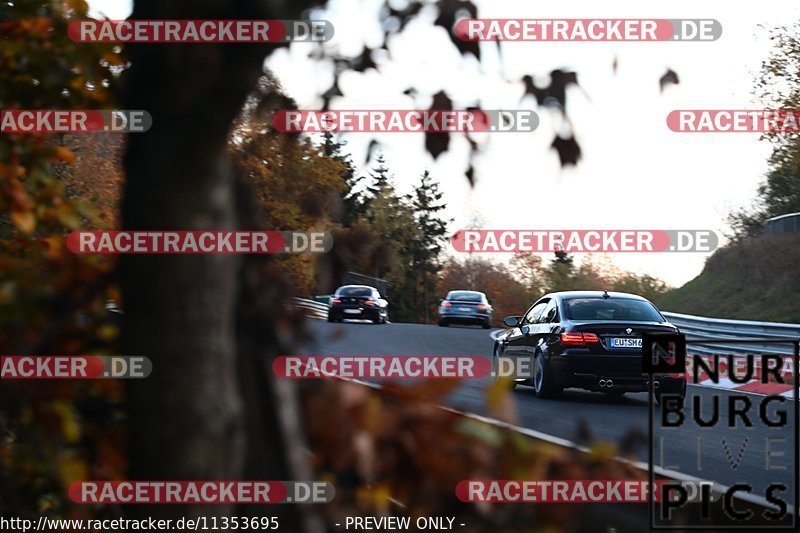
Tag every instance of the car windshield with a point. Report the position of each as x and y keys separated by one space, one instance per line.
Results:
x=355 y=291
x=464 y=296
x=610 y=309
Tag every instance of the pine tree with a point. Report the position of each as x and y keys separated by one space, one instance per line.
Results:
x=354 y=202
x=426 y=201
x=560 y=276
x=380 y=178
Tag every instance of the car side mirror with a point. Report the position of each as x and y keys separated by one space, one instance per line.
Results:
x=511 y=321
x=491 y=302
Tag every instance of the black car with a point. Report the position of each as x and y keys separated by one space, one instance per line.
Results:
x=465 y=307
x=358 y=302
x=590 y=340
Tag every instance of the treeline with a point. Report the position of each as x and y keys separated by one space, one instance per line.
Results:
x=379 y=232
x=302 y=185
x=777 y=86
x=514 y=287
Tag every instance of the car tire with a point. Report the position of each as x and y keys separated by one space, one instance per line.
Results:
x=543 y=385
x=331 y=319
x=495 y=355
x=443 y=324
x=486 y=325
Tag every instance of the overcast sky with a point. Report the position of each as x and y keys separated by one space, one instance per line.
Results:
x=635 y=173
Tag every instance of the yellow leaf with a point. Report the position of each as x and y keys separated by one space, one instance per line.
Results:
x=67 y=216
x=603 y=450
x=497 y=393
x=71 y=469
x=70 y=424
x=24 y=220
x=107 y=332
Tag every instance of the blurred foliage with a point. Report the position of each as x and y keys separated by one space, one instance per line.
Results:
x=51 y=301
x=295 y=184
x=777 y=87
x=393 y=452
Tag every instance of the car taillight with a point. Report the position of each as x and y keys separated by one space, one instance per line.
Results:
x=483 y=306
x=576 y=338
x=336 y=301
x=446 y=304
x=369 y=302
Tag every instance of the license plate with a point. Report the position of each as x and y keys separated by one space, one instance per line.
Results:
x=462 y=308
x=358 y=312
x=628 y=342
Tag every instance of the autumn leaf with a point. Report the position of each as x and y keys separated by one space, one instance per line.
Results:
x=24 y=220
x=64 y=154
x=71 y=469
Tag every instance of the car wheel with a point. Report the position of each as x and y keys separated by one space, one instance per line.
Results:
x=486 y=325
x=495 y=357
x=443 y=324
x=331 y=319
x=542 y=380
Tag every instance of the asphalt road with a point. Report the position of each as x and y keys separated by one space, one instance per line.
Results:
x=726 y=455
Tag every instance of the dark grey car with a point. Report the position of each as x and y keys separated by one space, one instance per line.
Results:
x=358 y=302
x=465 y=307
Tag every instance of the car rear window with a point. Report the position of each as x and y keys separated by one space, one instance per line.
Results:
x=610 y=309
x=462 y=296
x=355 y=291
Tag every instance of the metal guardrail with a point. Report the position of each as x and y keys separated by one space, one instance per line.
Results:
x=311 y=308
x=698 y=328
x=781 y=225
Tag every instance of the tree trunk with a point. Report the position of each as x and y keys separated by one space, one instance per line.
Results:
x=191 y=419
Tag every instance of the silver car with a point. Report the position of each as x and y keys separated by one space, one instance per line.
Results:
x=465 y=307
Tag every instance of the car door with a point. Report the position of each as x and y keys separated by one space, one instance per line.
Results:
x=518 y=343
x=549 y=325
x=538 y=328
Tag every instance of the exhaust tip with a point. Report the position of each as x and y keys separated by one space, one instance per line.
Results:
x=602 y=382
x=609 y=383
x=656 y=384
